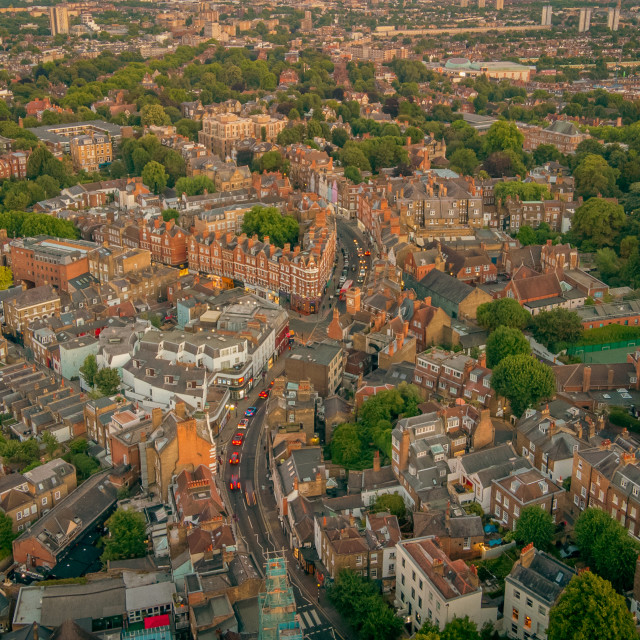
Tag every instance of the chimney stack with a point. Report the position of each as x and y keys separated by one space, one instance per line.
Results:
x=376 y=461
x=156 y=417
x=586 y=379
x=181 y=410
x=527 y=555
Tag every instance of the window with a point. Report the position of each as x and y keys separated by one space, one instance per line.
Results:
x=541 y=610
x=402 y=580
x=516 y=594
x=374 y=573
x=529 y=602
x=44 y=501
x=413 y=576
x=514 y=614
x=56 y=495
x=420 y=602
x=413 y=593
x=466 y=544
x=527 y=622
x=514 y=629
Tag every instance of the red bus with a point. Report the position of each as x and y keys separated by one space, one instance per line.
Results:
x=345 y=287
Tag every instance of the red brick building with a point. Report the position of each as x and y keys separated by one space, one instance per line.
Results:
x=14 y=165
x=299 y=273
x=49 y=261
x=166 y=241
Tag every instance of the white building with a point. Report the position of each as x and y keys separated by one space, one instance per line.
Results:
x=431 y=586
x=531 y=589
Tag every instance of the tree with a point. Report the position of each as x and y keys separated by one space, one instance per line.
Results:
x=502 y=312
x=339 y=136
x=505 y=341
x=270 y=161
x=170 y=214
x=460 y=629
x=346 y=448
x=155 y=177
x=464 y=161
x=127 y=536
x=526 y=235
x=107 y=380
x=502 y=136
x=360 y=602
x=590 y=608
x=7 y=536
x=50 y=443
x=353 y=174
x=523 y=381
x=391 y=502
x=598 y=222
x=606 y=547
x=608 y=262
x=195 y=186
x=556 y=329
x=268 y=221
x=6 y=278
x=534 y=525
x=89 y=370
x=154 y=115
x=595 y=177
x=526 y=191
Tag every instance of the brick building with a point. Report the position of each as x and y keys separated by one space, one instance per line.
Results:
x=91 y=152
x=299 y=273
x=562 y=134
x=23 y=307
x=222 y=132
x=166 y=241
x=14 y=165
x=49 y=261
x=510 y=495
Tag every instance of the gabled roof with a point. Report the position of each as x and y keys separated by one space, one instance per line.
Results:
x=446 y=287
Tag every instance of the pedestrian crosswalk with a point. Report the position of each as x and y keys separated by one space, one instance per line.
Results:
x=311 y=624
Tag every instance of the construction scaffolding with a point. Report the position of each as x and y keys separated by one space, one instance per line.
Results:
x=278 y=618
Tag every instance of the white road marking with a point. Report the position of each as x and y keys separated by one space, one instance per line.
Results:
x=315 y=616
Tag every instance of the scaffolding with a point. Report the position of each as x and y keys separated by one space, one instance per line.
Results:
x=278 y=618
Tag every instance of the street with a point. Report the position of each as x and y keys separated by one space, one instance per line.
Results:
x=258 y=528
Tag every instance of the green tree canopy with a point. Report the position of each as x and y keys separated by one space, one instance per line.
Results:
x=155 y=177
x=359 y=601
x=505 y=341
x=464 y=161
x=595 y=177
x=502 y=312
x=598 y=222
x=503 y=136
x=268 y=221
x=127 y=536
x=108 y=381
x=523 y=381
x=154 y=114
x=89 y=370
x=195 y=186
x=534 y=525
x=557 y=329
x=6 y=278
x=7 y=536
x=590 y=608
x=606 y=547
x=526 y=191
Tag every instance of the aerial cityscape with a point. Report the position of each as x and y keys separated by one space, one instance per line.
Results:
x=320 y=320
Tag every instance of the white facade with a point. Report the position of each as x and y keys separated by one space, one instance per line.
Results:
x=420 y=599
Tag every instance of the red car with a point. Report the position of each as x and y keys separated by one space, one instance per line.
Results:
x=367 y=253
x=235 y=458
x=235 y=482
x=264 y=394
x=243 y=424
x=238 y=439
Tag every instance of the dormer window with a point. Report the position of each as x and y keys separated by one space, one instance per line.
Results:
x=168 y=379
x=151 y=372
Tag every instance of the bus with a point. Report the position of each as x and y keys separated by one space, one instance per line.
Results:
x=249 y=493
x=345 y=287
